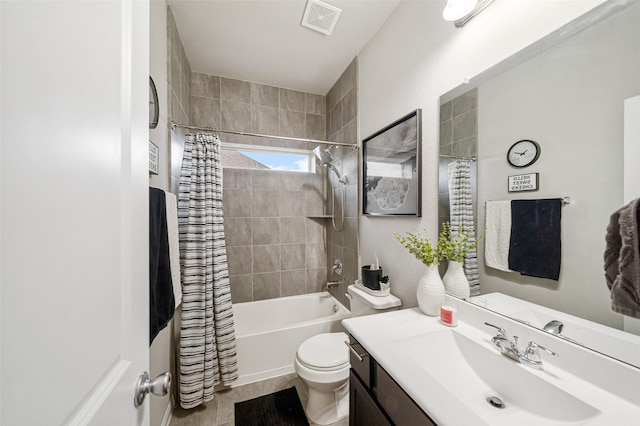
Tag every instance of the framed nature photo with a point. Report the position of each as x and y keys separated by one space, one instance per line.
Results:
x=392 y=168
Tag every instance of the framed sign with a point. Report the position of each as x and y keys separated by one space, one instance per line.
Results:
x=526 y=182
x=153 y=158
x=392 y=168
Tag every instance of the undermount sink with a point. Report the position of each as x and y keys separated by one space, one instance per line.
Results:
x=474 y=372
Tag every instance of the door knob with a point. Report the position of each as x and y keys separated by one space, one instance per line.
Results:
x=158 y=386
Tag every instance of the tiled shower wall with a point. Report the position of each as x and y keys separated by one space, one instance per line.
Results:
x=274 y=246
x=342 y=126
x=458 y=138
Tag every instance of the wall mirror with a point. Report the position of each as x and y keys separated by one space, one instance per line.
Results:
x=566 y=92
x=391 y=168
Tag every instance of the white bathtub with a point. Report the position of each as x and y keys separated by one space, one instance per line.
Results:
x=268 y=332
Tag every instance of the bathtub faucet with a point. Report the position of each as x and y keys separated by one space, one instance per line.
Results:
x=331 y=284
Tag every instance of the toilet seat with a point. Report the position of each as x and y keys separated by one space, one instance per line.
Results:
x=324 y=352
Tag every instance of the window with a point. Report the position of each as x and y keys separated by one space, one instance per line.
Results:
x=267 y=158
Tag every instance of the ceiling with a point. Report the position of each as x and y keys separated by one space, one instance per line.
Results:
x=262 y=40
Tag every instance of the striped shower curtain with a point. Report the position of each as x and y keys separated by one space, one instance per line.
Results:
x=207 y=337
x=461 y=213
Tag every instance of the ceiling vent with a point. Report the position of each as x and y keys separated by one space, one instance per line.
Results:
x=320 y=16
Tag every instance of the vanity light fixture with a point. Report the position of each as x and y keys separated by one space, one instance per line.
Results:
x=461 y=11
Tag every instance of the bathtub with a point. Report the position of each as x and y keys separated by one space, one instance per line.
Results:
x=268 y=332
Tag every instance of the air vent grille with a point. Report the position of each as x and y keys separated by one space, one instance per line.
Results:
x=320 y=16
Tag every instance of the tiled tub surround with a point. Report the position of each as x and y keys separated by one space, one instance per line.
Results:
x=274 y=248
x=342 y=126
x=229 y=104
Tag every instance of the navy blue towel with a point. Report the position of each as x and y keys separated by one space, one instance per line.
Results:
x=535 y=248
x=161 y=300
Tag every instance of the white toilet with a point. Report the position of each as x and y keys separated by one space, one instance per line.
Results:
x=322 y=361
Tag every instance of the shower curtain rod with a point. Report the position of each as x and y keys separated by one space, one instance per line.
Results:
x=233 y=132
x=457 y=157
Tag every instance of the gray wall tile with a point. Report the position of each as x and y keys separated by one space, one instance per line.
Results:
x=292 y=123
x=237 y=202
x=266 y=230
x=266 y=286
x=316 y=280
x=266 y=258
x=265 y=95
x=235 y=90
x=293 y=283
x=237 y=178
x=265 y=203
x=240 y=260
x=316 y=255
x=316 y=126
x=291 y=203
x=205 y=111
x=466 y=102
x=292 y=256
x=292 y=230
x=241 y=288
x=205 y=85
x=238 y=231
x=292 y=100
x=315 y=104
x=465 y=126
x=235 y=116
x=265 y=120
x=316 y=230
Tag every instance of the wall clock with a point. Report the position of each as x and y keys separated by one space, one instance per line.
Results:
x=523 y=153
x=154 y=108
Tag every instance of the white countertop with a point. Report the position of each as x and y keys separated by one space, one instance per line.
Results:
x=380 y=336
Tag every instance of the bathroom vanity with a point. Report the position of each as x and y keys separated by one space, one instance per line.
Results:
x=410 y=369
x=375 y=398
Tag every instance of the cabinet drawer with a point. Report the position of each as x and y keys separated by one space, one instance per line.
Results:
x=396 y=403
x=362 y=365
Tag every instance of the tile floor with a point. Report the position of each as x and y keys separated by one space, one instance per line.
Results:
x=220 y=411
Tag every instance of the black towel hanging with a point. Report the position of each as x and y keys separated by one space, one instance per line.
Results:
x=535 y=247
x=161 y=299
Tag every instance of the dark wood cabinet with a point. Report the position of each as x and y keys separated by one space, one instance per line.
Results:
x=363 y=409
x=376 y=399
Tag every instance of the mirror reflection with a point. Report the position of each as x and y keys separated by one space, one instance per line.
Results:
x=569 y=97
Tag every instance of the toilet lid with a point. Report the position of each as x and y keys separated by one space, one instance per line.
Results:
x=325 y=351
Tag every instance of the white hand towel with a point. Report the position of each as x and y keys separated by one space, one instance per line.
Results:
x=174 y=245
x=498 y=234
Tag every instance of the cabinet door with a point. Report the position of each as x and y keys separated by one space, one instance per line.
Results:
x=363 y=410
x=396 y=403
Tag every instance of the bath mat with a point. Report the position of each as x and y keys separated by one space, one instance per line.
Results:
x=282 y=408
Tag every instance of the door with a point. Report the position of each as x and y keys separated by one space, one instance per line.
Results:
x=73 y=229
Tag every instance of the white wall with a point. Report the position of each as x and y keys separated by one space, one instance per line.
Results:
x=570 y=100
x=416 y=57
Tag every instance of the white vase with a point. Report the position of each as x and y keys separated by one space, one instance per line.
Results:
x=455 y=281
x=430 y=292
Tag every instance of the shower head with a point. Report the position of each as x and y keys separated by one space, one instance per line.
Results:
x=325 y=157
x=323 y=154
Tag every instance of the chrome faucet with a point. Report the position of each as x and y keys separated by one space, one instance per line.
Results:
x=530 y=356
x=331 y=284
x=554 y=327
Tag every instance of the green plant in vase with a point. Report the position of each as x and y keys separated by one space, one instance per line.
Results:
x=419 y=245
x=430 y=290
x=457 y=246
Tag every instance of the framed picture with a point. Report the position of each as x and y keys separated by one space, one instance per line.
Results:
x=392 y=168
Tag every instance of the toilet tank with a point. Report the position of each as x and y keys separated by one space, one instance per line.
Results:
x=363 y=303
